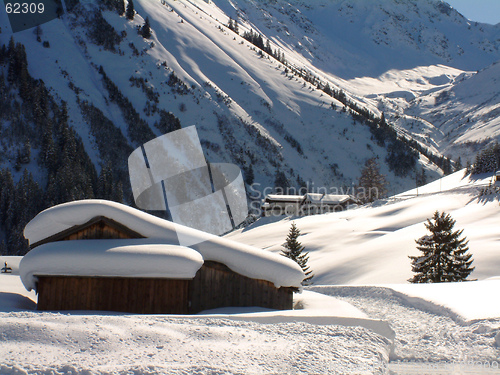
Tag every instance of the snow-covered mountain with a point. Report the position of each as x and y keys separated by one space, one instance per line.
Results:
x=247 y=109
x=354 y=38
x=447 y=110
x=304 y=107
x=277 y=121
x=467 y=113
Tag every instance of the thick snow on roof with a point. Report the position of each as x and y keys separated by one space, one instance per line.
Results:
x=243 y=259
x=315 y=198
x=119 y=258
x=326 y=198
x=284 y=198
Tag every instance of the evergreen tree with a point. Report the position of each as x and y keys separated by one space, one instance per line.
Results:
x=6 y=193
x=146 y=29
x=447 y=167
x=382 y=119
x=458 y=165
x=487 y=160
x=445 y=257
x=372 y=185
x=233 y=25
x=420 y=177
x=294 y=250
x=120 y=7
x=468 y=168
x=130 y=13
x=236 y=27
x=38 y=32
x=105 y=183
x=281 y=182
x=249 y=175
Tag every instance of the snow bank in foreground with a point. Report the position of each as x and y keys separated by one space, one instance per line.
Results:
x=48 y=343
x=427 y=334
x=13 y=295
x=119 y=258
x=311 y=307
x=243 y=259
x=268 y=342
x=471 y=300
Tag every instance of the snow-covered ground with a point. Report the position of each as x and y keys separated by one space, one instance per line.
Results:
x=371 y=244
x=367 y=328
x=326 y=335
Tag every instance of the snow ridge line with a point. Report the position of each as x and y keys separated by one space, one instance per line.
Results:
x=408 y=301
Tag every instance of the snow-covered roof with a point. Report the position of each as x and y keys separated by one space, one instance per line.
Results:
x=243 y=259
x=107 y=258
x=284 y=198
x=317 y=198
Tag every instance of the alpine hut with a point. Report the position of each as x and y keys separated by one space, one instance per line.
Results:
x=102 y=255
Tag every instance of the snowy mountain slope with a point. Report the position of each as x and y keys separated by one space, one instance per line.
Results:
x=448 y=110
x=371 y=245
x=468 y=111
x=395 y=91
x=271 y=116
x=246 y=108
x=191 y=39
x=403 y=50
x=353 y=38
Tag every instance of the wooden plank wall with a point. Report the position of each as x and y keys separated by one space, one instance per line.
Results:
x=99 y=231
x=215 y=285
x=133 y=295
x=99 y=227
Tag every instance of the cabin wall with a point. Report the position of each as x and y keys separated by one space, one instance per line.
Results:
x=215 y=285
x=133 y=295
x=97 y=231
x=97 y=228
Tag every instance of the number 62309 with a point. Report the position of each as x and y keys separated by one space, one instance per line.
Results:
x=24 y=8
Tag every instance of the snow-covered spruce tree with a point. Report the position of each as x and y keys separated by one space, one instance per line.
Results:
x=445 y=257
x=487 y=160
x=146 y=29
x=372 y=185
x=420 y=177
x=130 y=13
x=294 y=250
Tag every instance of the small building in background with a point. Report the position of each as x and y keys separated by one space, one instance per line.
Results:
x=307 y=204
x=277 y=205
x=101 y=255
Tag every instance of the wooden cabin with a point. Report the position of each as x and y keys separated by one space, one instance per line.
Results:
x=307 y=204
x=91 y=286
x=277 y=205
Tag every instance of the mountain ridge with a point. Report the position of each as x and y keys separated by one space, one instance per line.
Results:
x=284 y=121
